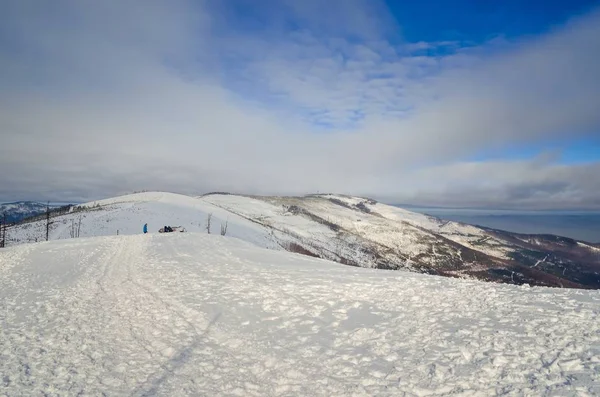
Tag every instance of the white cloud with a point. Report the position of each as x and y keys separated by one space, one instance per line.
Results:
x=107 y=97
x=539 y=183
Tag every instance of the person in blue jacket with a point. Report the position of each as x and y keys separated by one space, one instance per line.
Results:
x=145 y=228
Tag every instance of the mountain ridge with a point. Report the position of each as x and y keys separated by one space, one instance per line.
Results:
x=18 y=210
x=351 y=230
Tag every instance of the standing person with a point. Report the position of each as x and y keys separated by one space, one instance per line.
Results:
x=145 y=228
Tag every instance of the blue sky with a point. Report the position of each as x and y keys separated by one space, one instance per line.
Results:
x=479 y=21
x=454 y=26
x=474 y=22
x=446 y=103
x=578 y=151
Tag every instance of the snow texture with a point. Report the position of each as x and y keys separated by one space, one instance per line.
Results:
x=191 y=314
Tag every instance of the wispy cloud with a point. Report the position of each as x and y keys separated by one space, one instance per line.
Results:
x=106 y=97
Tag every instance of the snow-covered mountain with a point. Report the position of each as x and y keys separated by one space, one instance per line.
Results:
x=187 y=314
x=22 y=209
x=363 y=232
x=350 y=230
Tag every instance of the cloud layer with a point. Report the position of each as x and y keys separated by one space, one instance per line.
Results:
x=101 y=98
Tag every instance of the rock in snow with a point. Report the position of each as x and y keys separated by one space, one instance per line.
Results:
x=192 y=314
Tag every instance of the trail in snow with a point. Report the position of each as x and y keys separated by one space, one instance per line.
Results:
x=191 y=314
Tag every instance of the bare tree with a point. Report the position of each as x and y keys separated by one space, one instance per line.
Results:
x=208 y=219
x=339 y=244
x=224 y=227
x=3 y=231
x=48 y=220
x=75 y=228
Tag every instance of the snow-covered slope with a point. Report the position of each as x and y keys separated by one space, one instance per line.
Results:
x=350 y=230
x=329 y=219
x=366 y=233
x=190 y=314
x=127 y=215
x=333 y=230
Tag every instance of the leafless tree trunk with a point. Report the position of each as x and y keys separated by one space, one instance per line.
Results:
x=208 y=219
x=224 y=228
x=3 y=231
x=339 y=245
x=75 y=228
x=47 y=221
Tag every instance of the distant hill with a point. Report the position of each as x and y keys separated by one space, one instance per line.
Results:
x=20 y=210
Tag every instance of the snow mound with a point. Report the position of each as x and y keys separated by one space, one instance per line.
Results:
x=192 y=314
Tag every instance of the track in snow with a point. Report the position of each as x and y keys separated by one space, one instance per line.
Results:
x=191 y=314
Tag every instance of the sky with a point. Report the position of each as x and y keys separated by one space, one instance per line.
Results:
x=458 y=103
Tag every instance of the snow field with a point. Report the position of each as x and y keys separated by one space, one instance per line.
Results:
x=192 y=314
x=126 y=215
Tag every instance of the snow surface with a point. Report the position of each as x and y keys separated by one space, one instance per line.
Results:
x=128 y=214
x=191 y=314
x=407 y=234
x=274 y=211
x=350 y=230
x=467 y=235
x=267 y=222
